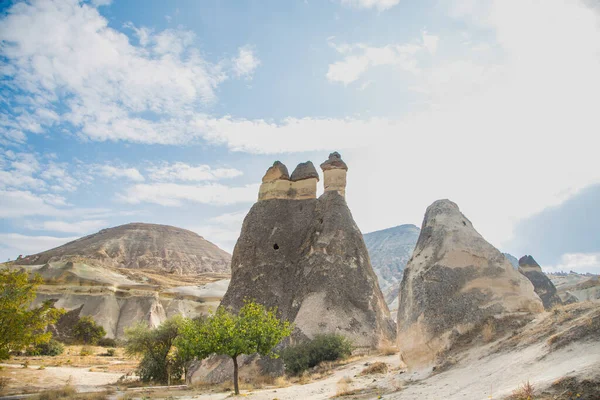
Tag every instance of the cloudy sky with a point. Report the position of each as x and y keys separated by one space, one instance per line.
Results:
x=170 y=112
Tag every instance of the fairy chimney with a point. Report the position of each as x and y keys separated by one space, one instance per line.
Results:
x=334 y=174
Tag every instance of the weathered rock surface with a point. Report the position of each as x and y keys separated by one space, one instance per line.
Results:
x=276 y=172
x=308 y=258
x=389 y=250
x=142 y=246
x=305 y=170
x=131 y=273
x=454 y=281
x=542 y=284
x=116 y=299
x=574 y=287
x=334 y=174
x=512 y=259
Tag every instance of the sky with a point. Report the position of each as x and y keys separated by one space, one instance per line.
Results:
x=170 y=112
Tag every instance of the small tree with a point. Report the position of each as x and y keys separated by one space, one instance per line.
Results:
x=255 y=329
x=159 y=362
x=20 y=325
x=87 y=331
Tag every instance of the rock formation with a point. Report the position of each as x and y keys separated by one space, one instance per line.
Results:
x=541 y=284
x=142 y=246
x=454 y=281
x=131 y=273
x=307 y=257
x=334 y=174
x=277 y=184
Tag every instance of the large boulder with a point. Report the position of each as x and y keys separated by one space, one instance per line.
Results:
x=542 y=285
x=454 y=282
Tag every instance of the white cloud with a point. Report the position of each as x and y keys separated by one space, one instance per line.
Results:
x=245 y=63
x=64 y=52
x=223 y=230
x=14 y=244
x=110 y=171
x=577 y=262
x=184 y=172
x=174 y=194
x=358 y=58
x=19 y=203
x=86 y=226
x=380 y=5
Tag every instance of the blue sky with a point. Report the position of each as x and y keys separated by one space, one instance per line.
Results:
x=170 y=112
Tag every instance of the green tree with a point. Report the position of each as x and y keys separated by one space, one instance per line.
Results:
x=160 y=361
x=21 y=325
x=255 y=329
x=87 y=331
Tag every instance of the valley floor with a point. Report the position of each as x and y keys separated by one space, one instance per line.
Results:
x=555 y=353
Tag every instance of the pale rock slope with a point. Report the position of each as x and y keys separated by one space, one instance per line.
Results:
x=454 y=281
x=132 y=273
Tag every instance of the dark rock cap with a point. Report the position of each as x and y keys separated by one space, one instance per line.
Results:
x=276 y=172
x=334 y=162
x=305 y=170
x=528 y=261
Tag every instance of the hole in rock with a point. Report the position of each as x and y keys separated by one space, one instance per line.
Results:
x=464 y=223
x=276 y=246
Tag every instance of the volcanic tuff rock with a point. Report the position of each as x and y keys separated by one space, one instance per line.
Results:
x=542 y=285
x=308 y=258
x=305 y=170
x=131 y=273
x=454 y=281
x=142 y=246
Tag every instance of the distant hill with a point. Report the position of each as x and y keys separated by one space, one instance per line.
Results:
x=389 y=250
x=154 y=247
x=513 y=260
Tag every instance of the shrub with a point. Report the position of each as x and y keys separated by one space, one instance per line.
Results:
x=375 y=368
x=330 y=347
x=50 y=348
x=110 y=352
x=525 y=392
x=87 y=331
x=107 y=342
x=86 y=351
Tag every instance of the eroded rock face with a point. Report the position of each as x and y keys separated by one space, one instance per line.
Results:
x=543 y=286
x=453 y=282
x=334 y=174
x=276 y=184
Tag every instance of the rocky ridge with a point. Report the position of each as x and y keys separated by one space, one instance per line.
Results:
x=542 y=285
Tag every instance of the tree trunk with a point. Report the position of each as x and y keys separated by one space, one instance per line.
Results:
x=235 y=375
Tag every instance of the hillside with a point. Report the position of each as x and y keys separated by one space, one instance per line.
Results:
x=389 y=250
x=142 y=246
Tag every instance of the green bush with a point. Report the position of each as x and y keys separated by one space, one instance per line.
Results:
x=87 y=331
x=107 y=342
x=110 y=352
x=329 y=347
x=50 y=348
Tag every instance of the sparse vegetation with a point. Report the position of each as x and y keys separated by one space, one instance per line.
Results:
x=343 y=387
x=87 y=331
x=488 y=331
x=69 y=392
x=524 y=392
x=107 y=342
x=375 y=368
x=50 y=348
x=388 y=350
x=22 y=326
x=255 y=329
x=330 y=347
x=111 y=352
x=86 y=351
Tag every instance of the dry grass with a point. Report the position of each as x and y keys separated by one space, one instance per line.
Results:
x=343 y=387
x=488 y=331
x=524 y=392
x=375 y=368
x=388 y=350
x=69 y=393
